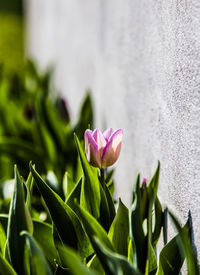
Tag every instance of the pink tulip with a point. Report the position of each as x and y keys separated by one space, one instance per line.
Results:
x=103 y=149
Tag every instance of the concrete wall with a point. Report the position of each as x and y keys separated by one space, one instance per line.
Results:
x=142 y=61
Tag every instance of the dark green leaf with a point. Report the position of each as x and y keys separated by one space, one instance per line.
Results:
x=139 y=240
x=38 y=262
x=17 y=222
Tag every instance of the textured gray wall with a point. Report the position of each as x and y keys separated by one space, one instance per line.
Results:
x=142 y=62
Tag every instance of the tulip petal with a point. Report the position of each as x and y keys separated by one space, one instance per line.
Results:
x=100 y=141
x=91 y=149
x=107 y=134
x=112 y=149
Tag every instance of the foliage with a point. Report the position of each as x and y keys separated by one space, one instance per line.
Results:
x=82 y=240
x=60 y=217
x=36 y=126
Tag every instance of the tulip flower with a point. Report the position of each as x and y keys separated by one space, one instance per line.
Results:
x=103 y=149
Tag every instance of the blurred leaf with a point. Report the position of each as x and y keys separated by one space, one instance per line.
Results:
x=119 y=230
x=68 y=184
x=17 y=222
x=5 y=267
x=85 y=116
x=90 y=195
x=2 y=239
x=113 y=263
x=38 y=262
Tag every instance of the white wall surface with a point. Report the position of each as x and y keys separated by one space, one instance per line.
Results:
x=142 y=61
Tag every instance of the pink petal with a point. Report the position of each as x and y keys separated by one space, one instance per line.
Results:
x=108 y=133
x=100 y=140
x=91 y=149
x=112 y=149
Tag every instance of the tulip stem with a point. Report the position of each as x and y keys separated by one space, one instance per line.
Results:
x=102 y=178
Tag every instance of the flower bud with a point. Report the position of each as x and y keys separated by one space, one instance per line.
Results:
x=103 y=149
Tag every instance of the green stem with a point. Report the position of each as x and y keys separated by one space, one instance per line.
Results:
x=102 y=178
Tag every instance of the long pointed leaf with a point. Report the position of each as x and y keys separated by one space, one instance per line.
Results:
x=17 y=222
x=90 y=197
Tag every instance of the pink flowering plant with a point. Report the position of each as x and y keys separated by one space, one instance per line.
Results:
x=84 y=231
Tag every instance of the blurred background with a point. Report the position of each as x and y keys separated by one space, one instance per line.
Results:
x=11 y=35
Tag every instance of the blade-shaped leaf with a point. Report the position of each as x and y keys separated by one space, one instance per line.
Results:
x=72 y=260
x=5 y=267
x=66 y=221
x=113 y=263
x=90 y=196
x=38 y=262
x=186 y=246
x=172 y=256
x=152 y=194
x=139 y=240
x=92 y=227
x=43 y=235
x=17 y=222
x=119 y=230
x=2 y=239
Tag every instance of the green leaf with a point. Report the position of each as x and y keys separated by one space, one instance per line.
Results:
x=74 y=195
x=152 y=189
x=90 y=195
x=85 y=116
x=17 y=222
x=158 y=216
x=38 y=262
x=68 y=184
x=172 y=256
x=113 y=263
x=5 y=267
x=63 y=217
x=92 y=227
x=73 y=261
x=119 y=230
x=104 y=218
x=186 y=246
x=2 y=239
x=139 y=240
x=43 y=236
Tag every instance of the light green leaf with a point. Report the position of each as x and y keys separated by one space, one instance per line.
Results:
x=113 y=263
x=119 y=230
x=92 y=227
x=5 y=267
x=90 y=195
x=73 y=262
x=63 y=217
